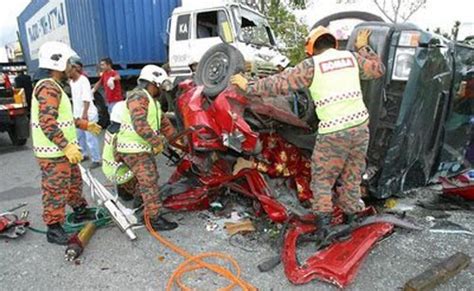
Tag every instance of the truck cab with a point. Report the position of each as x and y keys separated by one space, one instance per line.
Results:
x=194 y=28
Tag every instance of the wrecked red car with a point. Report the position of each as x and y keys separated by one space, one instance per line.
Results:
x=218 y=135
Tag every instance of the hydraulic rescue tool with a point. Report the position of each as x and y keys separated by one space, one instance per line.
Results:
x=78 y=242
x=122 y=216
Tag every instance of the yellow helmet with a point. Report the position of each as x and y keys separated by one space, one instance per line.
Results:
x=313 y=37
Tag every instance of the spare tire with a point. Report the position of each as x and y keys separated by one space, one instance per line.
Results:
x=216 y=67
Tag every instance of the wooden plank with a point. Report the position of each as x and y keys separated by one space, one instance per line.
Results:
x=439 y=273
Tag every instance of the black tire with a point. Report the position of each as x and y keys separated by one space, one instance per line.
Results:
x=16 y=141
x=365 y=16
x=19 y=131
x=216 y=67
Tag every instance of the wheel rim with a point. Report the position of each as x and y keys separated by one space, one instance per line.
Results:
x=216 y=69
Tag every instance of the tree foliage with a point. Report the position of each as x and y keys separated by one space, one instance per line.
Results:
x=287 y=28
x=399 y=10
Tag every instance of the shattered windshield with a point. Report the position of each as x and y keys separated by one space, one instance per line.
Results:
x=253 y=28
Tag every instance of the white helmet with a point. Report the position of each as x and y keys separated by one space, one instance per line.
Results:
x=153 y=74
x=281 y=61
x=54 y=55
x=117 y=112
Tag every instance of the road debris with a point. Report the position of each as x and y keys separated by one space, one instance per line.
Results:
x=392 y=219
x=461 y=185
x=446 y=226
x=439 y=273
x=394 y=205
x=238 y=227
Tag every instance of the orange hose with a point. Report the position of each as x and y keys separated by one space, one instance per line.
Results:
x=195 y=262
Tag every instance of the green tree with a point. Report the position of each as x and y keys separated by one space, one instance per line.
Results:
x=287 y=28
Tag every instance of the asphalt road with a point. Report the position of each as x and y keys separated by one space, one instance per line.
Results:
x=111 y=261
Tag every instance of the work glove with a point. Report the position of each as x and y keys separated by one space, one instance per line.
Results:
x=239 y=81
x=111 y=83
x=93 y=128
x=362 y=38
x=73 y=153
x=248 y=67
x=158 y=149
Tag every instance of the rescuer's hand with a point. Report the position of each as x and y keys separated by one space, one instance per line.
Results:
x=111 y=83
x=73 y=153
x=158 y=149
x=239 y=81
x=93 y=128
x=362 y=38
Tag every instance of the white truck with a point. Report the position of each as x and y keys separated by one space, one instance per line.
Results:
x=197 y=33
x=136 y=33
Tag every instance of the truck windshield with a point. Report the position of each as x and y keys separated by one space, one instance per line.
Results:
x=253 y=28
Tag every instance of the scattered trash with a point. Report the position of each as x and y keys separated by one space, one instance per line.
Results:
x=161 y=258
x=211 y=226
x=430 y=218
x=216 y=206
x=238 y=227
x=446 y=226
x=439 y=273
x=396 y=206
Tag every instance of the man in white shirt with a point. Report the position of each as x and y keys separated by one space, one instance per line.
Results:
x=84 y=108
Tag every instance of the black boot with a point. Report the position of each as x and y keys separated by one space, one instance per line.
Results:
x=56 y=234
x=323 y=223
x=82 y=214
x=350 y=218
x=137 y=202
x=162 y=224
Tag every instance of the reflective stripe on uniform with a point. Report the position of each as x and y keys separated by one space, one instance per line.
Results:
x=336 y=91
x=363 y=115
x=42 y=146
x=128 y=140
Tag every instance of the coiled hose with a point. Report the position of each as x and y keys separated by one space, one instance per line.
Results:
x=102 y=218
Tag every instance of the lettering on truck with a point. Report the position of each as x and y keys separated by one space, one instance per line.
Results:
x=48 y=24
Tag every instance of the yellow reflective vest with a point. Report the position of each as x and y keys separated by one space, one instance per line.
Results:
x=42 y=146
x=336 y=91
x=128 y=140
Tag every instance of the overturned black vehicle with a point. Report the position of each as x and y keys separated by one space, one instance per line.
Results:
x=420 y=111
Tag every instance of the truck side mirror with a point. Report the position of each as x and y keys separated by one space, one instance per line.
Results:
x=226 y=32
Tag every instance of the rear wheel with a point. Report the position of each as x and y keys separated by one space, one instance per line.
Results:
x=216 y=67
x=20 y=131
x=17 y=141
